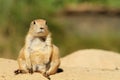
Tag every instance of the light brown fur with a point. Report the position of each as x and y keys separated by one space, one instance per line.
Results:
x=38 y=53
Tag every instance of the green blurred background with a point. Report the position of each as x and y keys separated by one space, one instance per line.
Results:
x=72 y=30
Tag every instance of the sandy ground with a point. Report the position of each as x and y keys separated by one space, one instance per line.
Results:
x=89 y=64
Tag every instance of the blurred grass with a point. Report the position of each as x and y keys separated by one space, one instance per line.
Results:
x=16 y=15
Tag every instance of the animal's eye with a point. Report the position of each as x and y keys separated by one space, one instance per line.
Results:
x=34 y=22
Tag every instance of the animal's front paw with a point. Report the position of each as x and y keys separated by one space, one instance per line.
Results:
x=30 y=70
x=18 y=71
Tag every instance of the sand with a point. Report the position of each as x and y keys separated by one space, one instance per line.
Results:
x=88 y=64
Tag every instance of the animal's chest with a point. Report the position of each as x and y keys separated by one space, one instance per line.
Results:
x=39 y=52
x=37 y=45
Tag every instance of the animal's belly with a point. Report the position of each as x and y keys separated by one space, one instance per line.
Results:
x=39 y=58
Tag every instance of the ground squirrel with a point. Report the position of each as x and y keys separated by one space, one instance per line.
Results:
x=38 y=54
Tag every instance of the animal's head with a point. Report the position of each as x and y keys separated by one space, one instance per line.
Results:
x=39 y=28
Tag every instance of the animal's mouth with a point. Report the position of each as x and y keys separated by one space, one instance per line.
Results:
x=41 y=31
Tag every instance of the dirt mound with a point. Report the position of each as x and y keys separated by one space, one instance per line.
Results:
x=92 y=58
x=81 y=65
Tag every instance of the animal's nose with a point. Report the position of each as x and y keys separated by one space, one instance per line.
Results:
x=41 y=28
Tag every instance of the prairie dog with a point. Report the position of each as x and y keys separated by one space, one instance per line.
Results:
x=38 y=53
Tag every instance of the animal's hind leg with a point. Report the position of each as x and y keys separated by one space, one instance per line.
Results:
x=55 y=62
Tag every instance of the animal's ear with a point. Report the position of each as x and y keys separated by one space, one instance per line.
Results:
x=45 y=22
